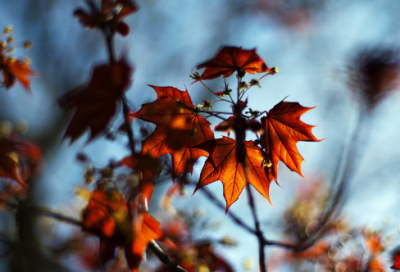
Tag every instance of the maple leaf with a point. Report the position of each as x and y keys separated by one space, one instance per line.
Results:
x=179 y=128
x=396 y=259
x=222 y=164
x=146 y=229
x=231 y=59
x=374 y=74
x=146 y=164
x=16 y=70
x=111 y=13
x=283 y=129
x=13 y=156
x=110 y=217
x=96 y=104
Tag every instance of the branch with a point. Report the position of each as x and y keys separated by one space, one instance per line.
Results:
x=127 y=126
x=164 y=257
x=259 y=233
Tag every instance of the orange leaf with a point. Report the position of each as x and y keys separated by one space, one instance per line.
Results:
x=231 y=59
x=283 y=129
x=222 y=164
x=96 y=104
x=108 y=216
x=145 y=229
x=178 y=128
x=16 y=70
x=13 y=154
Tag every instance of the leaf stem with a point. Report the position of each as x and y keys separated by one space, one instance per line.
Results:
x=127 y=126
x=214 y=93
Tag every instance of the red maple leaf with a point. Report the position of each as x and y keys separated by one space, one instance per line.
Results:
x=110 y=217
x=283 y=129
x=15 y=70
x=222 y=164
x=96 y=104
x=111 y=13
x=179 y=128
x=396 y=259
x=15 y=157
x=232 y=59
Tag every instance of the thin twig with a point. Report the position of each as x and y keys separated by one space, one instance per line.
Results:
x=259 y=233
x=173 y=266
x=45 y=212
x=214 y=93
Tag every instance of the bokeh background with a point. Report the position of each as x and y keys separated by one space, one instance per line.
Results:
x=312 y=43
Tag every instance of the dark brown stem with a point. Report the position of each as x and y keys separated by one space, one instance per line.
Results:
x=45 y=212
x=127 y=126
x=110 y=47
x=259 y=233
x=214 y=93
x=173 y=266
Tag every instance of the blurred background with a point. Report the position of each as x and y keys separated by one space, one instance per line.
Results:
x=318 y=46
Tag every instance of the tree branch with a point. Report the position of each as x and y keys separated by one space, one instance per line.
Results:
x=259 y=233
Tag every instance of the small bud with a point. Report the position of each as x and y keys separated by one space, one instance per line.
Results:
x=10 y=39
x=228 y=241
x=28 y=45
x=195 y=76
x=240 y=73
x=13 y=156
x=22 y=127
x=27 y=61
x=5 y=128
x=267 y=163
x=199 y=213
x=199 y=106
x=12 y=59
x=81 y=157
x=253 y=114
x=203 y=268
x=106 y=172
x=207 y=105
x=3 y=44
x=216 y=224
x=274 y=70
x=8 y=29
x=243 y=85
x=89 y=173
x=255 y=82
x=248 y=264
x=10 y=50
